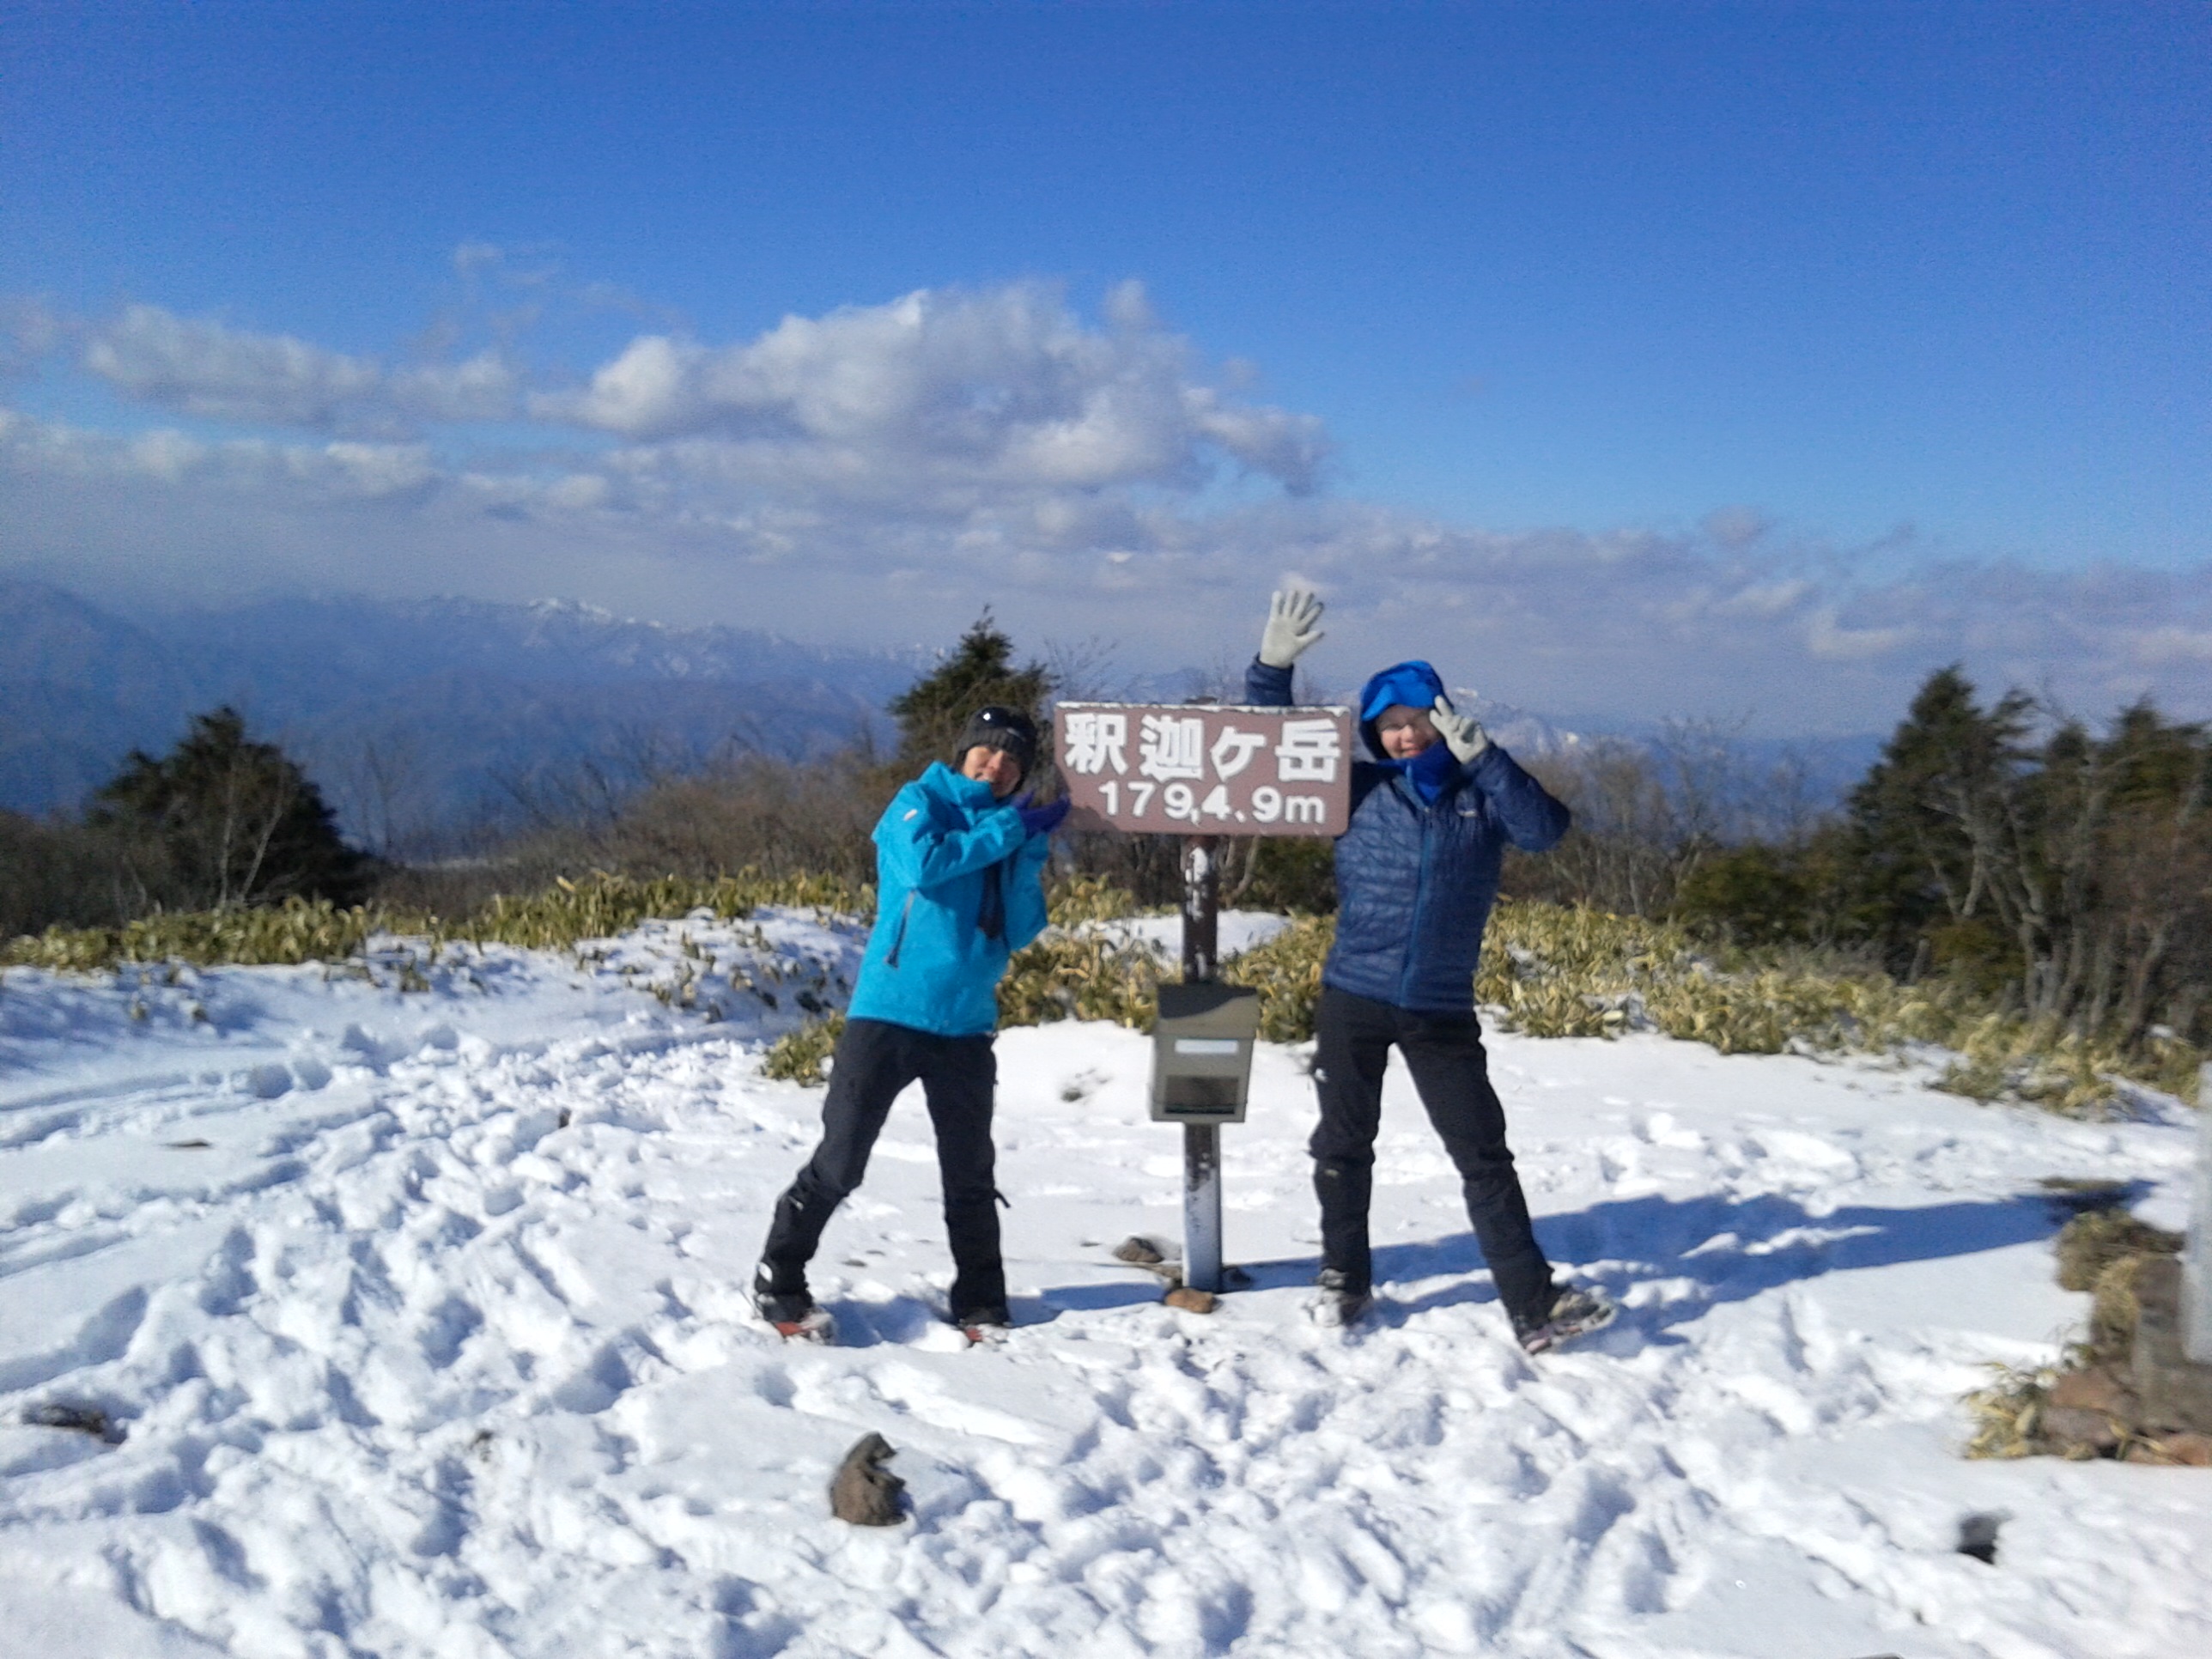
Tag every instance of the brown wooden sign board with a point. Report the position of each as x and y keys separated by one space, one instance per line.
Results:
x=1204 y=769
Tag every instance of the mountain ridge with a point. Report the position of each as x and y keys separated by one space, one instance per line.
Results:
x=421 y=719
x=468 y=697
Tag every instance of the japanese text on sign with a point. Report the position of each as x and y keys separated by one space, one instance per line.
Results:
x=1198 y=769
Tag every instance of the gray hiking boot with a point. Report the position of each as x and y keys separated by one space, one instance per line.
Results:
x=794 y=1313
x=989 y=1323
x=1339 y=1301
x=1574 y=1312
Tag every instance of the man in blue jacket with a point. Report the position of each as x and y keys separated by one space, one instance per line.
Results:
x=958 y=889
x=1417 y=873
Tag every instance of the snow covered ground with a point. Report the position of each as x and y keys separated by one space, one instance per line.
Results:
x=417 y=1319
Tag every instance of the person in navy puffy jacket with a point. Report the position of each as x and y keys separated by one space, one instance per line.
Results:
x=1417 y=873
x=959 y=860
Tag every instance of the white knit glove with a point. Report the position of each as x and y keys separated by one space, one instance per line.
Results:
x=1462 y=733
x=1293 y=615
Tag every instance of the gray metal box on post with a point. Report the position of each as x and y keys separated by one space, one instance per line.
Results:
x=1202 y=1053
x=2196 y=1264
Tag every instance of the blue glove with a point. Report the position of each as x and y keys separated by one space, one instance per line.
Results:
x=1041 y=820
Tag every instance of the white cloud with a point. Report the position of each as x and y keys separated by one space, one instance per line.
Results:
x=1736 y=526
x=1826 y=637
x=30 y=330
x=471 y=257
x=941 y=400
x=1129 y=307
x=205 y=369
x=649 y=390
x=167 y=455
x=1001 y=389
x=878 y=473
x=2156 y=647
x=1584 y=628
x=485 y=387
x=579 y=491
x=1765 y=598
x=368 y=469
x=297 y=476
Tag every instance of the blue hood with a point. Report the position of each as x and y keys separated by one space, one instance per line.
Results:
x=1414 y=889
x=1413 y=683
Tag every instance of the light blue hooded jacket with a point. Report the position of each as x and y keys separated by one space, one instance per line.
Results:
x=942 y=846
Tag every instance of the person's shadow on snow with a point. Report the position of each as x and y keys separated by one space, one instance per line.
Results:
x=1727 y=1249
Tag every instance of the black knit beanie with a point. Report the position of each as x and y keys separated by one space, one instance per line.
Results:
x=996 y=727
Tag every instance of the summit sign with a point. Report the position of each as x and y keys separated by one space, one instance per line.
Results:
x=1206 y=769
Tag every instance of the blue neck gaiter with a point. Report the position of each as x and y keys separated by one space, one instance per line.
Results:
x=1430 y=772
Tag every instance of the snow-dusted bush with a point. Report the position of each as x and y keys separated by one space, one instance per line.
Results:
x=1083 y=975
x=1080 y=898
x=298 y=930
x=1559 y=970
x=797 y=1056
x=301 y=930
x=1547 y=970
x=1286 y=971
x=604 y=905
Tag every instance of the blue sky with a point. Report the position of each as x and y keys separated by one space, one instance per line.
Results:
x=1628 y=359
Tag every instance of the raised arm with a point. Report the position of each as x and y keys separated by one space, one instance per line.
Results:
x=922 y=852
x=1532 y=817
x=1293 y=628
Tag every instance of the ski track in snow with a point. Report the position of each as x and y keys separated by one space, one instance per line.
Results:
x=420 y=1319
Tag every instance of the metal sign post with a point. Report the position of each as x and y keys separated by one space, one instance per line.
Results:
x=2197 y=1266
x=1204 y=771
x=1201 y=1142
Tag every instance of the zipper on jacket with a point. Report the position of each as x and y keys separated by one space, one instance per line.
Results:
x=891 y=957
x=1420 y=887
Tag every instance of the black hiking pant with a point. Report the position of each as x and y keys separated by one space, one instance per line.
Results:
x=1444 y=1053
x=875 y=1060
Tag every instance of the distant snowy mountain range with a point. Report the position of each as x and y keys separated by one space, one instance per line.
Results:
x=1528 y=735
x=418 y=713
x=418 y=716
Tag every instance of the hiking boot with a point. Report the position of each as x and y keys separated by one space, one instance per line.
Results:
x=1574 y=1312
x=989 y=1323
x=794 y=1313
x=1339 y=1301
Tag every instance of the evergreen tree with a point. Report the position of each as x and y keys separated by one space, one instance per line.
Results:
x=1757 y=893
x=2067 y=874
x=221 y=820
x=981 y=671
x=1922 y=818
x=2124 y=898
x=2157 y=763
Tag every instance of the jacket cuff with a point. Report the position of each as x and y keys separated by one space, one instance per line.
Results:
x=1485 y=768
x=1268 y=685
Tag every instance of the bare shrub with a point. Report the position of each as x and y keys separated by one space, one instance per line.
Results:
x=774 y=816
x=1648 y=815
x=1625 y=848
x=461 y=886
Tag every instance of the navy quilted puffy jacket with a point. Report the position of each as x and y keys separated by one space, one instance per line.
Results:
x=1415 y=881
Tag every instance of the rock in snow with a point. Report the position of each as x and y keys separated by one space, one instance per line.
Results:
x=864 y=1492
x=442 y=1349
